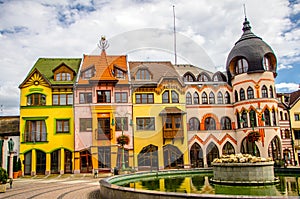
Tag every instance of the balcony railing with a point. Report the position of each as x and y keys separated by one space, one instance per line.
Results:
x=173 y=134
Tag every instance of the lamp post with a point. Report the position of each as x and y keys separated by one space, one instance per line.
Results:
x=123 y=155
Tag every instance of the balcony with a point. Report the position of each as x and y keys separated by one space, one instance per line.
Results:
x=173 y=134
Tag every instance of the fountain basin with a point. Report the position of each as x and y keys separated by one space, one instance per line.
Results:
x=258 y=173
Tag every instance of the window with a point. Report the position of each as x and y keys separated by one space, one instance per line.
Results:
x=271 y=92
x=211 y=98
x=241 y=66
x=85 y=124
x=244 y=119
x=146 y=98
x=227 y=98
x=165 y=97
x=103 y=96
x=36 y=99
x=220 y=98
x=35 y=131
x=252 y=116
x=287 y=134
x=62 y=99
x=286 y=116
x=188 y=78
x=62 y=126
x=88 y=74
x=143 y=74
x=63 y=77
x=119 y=74
x=175 y=97
x=188 y=98
x=267 y=62
x=267 y=117
x=216 y=78
x=203 y=78
x=196 y=98
x=225 y=123
x=250 y=93
x=85 y=98
x=194 y=124
x=281 y=115
x=264 y=92
x=172 y=122
x=210 y=124
x=119 y=123
x=242 y=94
x=145 y=123
x=121 y=97
x=204 y=98
x=236 y=96
x=297 y=134
x=297 y=116
x=274 y=117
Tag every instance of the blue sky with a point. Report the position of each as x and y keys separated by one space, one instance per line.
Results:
x=206 y=32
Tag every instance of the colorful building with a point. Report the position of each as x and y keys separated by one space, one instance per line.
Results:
x=46 y=116
x=103 y=113
x=159 y=116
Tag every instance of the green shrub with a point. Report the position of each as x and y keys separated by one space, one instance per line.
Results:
x=3 y=176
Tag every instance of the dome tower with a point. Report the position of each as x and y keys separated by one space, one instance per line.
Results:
x=251 y=69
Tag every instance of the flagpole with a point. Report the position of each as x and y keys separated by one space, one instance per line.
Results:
x=175 y=53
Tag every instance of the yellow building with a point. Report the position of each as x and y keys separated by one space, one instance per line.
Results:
x=46 y=117
x=293 y=102
x=159 y=117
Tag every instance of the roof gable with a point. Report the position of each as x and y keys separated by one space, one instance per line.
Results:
x=35 y=78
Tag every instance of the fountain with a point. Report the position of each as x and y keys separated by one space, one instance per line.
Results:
x=243 y=169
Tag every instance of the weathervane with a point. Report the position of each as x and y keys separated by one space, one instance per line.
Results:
x=103 y=43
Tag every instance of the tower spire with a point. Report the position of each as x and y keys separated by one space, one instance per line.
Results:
x=246 y=24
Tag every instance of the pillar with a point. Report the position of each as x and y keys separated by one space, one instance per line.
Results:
x=48 y=164
x=11 y=156
x=62 y=161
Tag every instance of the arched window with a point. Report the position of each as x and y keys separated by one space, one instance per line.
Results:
x=194 y=124
x=242 y=94
x=211 y=98
x=271 y=92
x=210 y=123
x=287 y=134
x=196 y=98
x=248 y=147
x=188 y=98
x=204 y=98
x=165 y=97
x=220 y=98
x=227 y=98
x=264 y=92
x=267 y=63
x=203 y=78
x=225 y=123
x=238 y=119
x=274 y=118
x=241 y=66
x=236 y=96
x=188 y=78
x=252 y=116
x=244 y=119
x=175 y=97
x=267 y=117
x=250 y=93
x=228 y=149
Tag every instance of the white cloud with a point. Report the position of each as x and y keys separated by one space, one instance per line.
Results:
x=282 y=66
x=286 y=87
x=63 y=28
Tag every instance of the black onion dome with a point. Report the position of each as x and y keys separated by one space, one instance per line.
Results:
x=253 y=49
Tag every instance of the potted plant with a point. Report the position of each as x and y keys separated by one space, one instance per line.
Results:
x=123 y=139
x=15 y=170
x=3 y=179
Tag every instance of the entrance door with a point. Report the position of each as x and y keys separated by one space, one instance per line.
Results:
x=27 y=163
x=212 y=152
x=68 y=161
x=55 y=157
x=173 y=158
x=40 y=162
x=104 y=129
x=85 y=162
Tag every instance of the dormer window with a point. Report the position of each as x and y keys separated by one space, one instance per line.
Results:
x=241 y=66
x=143 y=74
x=203 y=78
x=267 y=62
x=188 y=78
x=63 y=77
x=88 y=74
x=119 y=74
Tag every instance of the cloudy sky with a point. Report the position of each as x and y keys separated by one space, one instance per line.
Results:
x=142 y=29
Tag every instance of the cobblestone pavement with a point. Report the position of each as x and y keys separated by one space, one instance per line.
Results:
x=67 y=186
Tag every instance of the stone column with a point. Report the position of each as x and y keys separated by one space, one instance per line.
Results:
x=11 y=158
